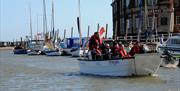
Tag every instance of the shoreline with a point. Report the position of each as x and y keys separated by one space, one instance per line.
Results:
x=6 y=48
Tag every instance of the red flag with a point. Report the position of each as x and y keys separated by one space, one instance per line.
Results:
x=101 y=31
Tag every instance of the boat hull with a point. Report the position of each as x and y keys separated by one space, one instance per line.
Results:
x=78 y=53
x=141 y=65
x=33 y=53
x=66 y=51
x=20 y=51
x=55 y=53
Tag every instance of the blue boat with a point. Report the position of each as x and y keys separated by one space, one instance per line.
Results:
x=19 y=50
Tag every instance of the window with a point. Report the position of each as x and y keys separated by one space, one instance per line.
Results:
x=164 y=21
x=150 y=21
x=138 y=23
x=127 y=3
x=151 y=2
x=177 y=19
x=137 y=3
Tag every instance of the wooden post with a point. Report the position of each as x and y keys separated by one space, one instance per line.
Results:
x=64 y=33
x=21 y=41
x=88 y=32
x=87 y=39
x=71 y=32
x=98 y=26
x=106 y=31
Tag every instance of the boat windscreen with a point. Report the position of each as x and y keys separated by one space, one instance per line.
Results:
x=173 y=42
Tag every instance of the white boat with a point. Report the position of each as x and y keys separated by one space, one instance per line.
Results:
x=173 y=44
x=171 y=50
x=141 y=65
x=35 y=47
x=78 y=52
x=33 y=52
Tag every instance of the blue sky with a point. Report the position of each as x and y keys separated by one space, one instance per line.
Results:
x=14 y=16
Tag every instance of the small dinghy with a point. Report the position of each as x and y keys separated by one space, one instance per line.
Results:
x=171 y=52
x=170 y=60
x=140 y=65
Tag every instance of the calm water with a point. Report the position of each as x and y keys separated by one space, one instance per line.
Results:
x=42 y=73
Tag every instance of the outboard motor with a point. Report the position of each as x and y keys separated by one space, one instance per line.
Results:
x=168 y=58
x=179 y=64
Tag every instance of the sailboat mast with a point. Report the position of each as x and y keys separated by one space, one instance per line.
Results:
x=79 y=23
x=52 y=25
x=52 y=20
x=30 y=21
x=37 y=24
x=44 y=18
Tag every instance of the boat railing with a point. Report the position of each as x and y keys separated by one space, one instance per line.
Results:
x=152 y=38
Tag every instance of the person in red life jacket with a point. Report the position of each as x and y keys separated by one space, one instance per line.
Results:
x=135 y=49
x=115 y=50
x=122 y=51
x=94 y=44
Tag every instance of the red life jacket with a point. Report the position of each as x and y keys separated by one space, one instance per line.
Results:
x=134 y=50
x=93 y=42
x=116 y=50
x=122 y=52
x=98 y=51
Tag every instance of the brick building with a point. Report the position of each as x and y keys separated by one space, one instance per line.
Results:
x=130 y=16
